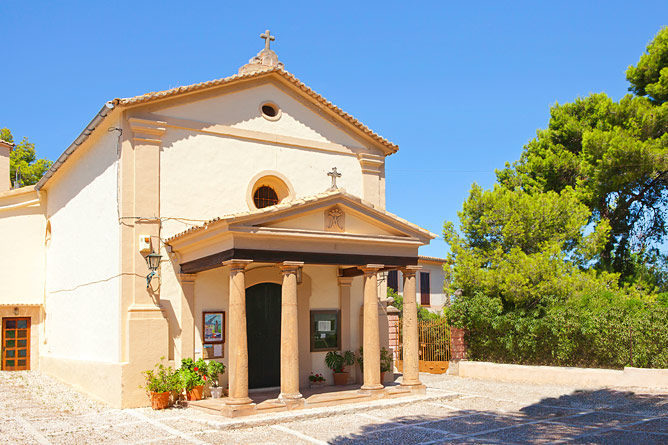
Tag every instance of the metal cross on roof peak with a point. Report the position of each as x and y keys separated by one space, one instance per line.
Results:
x=334 y=174
x=267 y=38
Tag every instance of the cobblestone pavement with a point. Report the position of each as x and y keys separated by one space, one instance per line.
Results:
x=35 y=408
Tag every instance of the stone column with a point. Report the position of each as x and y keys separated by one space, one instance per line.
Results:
x=238 y=364
x=289 y=333
x=371 y=334
x=411 y=364
x=344 y=303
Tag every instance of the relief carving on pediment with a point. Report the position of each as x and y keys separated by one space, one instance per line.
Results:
x=335 y=220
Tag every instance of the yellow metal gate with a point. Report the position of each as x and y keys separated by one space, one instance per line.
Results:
x=434 y=346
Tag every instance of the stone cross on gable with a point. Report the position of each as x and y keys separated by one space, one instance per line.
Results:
x=267 y=38
x=334 y=174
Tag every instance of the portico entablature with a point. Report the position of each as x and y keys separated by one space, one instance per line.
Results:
x=331 y=228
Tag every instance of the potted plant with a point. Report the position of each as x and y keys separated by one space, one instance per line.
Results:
x=160 y=382
x=337 y=362
x=193 y=377
x=317 y=380
x=214 y=370
x=385 y=361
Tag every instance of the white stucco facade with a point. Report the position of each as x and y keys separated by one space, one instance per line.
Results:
x=180 y=169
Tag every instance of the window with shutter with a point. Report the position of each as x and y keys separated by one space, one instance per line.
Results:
x=425 y=296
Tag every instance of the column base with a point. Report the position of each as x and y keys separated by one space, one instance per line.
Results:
x=291 y=401
x=372 y=387
x=414 y=382
x=239 y=401
x=290 y=396
x=238 y=410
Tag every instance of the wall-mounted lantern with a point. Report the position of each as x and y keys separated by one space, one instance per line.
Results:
x=153 y=262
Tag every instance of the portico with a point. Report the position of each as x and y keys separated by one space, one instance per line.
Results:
x=366 y=243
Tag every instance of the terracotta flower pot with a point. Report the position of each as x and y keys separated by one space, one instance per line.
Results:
x=195 y=393
x=340 y=378
x=382 y=376
x=159 y=400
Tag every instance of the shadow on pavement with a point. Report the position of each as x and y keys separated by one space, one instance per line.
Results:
x=585 y=416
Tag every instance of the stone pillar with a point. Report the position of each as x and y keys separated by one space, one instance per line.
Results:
x=5 y=180
x=145 y=328
x=238 y=363
x=187 y=318
x=458 y=344
x=411 y=363
x=289 y=333
x=458 y=347
x=393 y=332
x=344 y=303
x=371 y=330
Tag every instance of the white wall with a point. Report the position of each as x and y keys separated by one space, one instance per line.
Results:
x=82 y=279
x=241 y=109
x=204 y=176
x=324 y=295
x=22 y=230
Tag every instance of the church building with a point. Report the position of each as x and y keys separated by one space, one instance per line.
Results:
x=240 y=219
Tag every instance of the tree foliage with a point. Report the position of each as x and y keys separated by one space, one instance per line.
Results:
x=524 y=248
x=24 y=160
x=559 y=263
x=650 y=76
x=614 y=155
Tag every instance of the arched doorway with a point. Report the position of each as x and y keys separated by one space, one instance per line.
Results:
x=263 y=327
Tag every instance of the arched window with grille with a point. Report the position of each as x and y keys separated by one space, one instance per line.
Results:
x=265 y=196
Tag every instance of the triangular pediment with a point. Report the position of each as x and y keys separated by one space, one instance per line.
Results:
x=235 y=107
x=335 y=213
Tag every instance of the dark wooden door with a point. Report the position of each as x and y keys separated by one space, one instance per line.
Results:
x=263 y=315
x=15 y=344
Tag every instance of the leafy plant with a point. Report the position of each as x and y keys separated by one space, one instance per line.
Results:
x=214 y=370
x=385 y=359
x=337 y=361
x=316 y=378
x=161 y=378
x=193 y=373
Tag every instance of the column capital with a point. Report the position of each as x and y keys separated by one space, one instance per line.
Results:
x=371 y=269
x=187 y=277
x=147 y=132
x=410 y=270
x=237 y=265
x=288 y=267
x=345 y=281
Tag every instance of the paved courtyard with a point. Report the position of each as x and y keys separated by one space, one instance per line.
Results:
x=35 y=408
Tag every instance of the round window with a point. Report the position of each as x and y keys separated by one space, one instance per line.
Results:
x=265 y=196
x=270 y=111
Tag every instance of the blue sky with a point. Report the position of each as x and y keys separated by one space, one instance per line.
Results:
x=459 y=86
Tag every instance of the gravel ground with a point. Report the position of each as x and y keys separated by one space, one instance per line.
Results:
x=34 y=408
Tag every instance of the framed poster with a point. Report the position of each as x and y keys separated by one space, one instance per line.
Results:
x=213 y=327
x=325 y=330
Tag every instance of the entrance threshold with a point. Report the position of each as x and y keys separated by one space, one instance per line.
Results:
x=268 y=389
x=312 y=398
